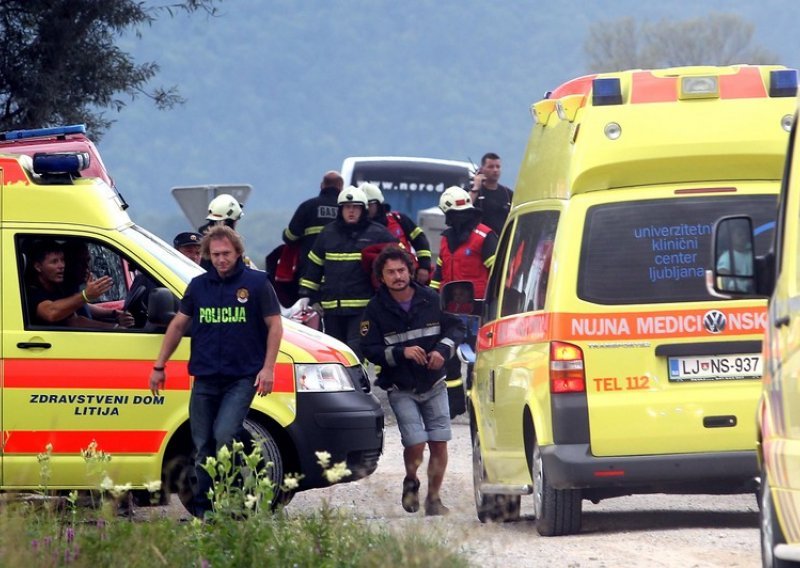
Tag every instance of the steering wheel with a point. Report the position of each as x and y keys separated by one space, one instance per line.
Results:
x=134 y=303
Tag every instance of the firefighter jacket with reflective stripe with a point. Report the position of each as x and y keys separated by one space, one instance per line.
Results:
x=333 y=274
x=471 y=261
x=387 y=329
x=409 y=235
x=309 y=219
x=229 y=334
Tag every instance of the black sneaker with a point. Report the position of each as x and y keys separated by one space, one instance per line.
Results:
x=411 y=495
x=435 y=508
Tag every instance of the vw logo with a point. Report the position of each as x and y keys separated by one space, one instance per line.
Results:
x=714 y=321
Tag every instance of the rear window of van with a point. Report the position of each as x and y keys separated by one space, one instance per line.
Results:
x=657 y=251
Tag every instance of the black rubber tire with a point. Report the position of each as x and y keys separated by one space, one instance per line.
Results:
x=770 y=529
x=490 y=507
x=185 y=479
x=557 y=511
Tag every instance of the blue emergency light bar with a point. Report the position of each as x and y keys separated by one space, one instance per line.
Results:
x=43 y=132
x=67 y=163
x=606 y=91
x=783 y=83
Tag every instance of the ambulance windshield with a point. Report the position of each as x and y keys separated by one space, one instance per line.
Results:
x=657 y=251
x=184 y=268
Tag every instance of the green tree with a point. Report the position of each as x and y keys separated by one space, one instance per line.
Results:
x=60 y=63
x=716 y=39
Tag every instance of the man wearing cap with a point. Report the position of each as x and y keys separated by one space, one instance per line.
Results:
x=188 y=244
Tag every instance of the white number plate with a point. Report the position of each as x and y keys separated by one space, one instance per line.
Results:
x=713 y=367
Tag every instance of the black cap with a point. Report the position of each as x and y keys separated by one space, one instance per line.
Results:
x=182 y=239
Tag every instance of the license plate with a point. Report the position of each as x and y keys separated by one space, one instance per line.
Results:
x=714 y=367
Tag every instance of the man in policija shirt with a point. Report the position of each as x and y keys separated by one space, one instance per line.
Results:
x=236 y=332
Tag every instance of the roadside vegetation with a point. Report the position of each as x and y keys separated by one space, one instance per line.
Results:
x=87 y=529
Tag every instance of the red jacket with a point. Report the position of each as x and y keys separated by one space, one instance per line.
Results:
x=466 y=262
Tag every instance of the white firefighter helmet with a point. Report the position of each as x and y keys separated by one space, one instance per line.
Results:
x=372 y=192
x=224 y=206
x=352 y=194
x=454 y=198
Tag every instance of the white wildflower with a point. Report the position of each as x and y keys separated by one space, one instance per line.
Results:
x=323 y=459
x=250 y=501
x=337 y=472
x=120 y=490
x=290 y=483
x=107 y=484
x=153 y=486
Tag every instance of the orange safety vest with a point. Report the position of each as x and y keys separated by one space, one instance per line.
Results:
x=466 y=262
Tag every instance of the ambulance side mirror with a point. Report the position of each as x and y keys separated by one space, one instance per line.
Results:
x=161 y=307
x=734 y=272
x=458 y=297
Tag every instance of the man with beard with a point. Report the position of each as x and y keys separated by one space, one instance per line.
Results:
x=334 y=275
x=405 y=331
x=467 y=249
x=490 y=197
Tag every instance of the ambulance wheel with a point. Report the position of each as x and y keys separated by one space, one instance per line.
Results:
x=272 y=459
x=557 y=511
x=771 y=533
x=490 y=507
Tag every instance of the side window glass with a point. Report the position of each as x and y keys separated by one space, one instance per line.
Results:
x=490 y=306
x=528 y=269
x=57 y=268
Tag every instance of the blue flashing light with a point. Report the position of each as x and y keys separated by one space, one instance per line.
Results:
x=783 y=83
x=43 y=132
x=606 y=91
x=67 y=163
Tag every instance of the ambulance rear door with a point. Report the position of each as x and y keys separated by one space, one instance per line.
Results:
x=669 y=368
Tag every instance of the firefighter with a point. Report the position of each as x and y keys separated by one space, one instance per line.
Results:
x=468 y=246
x=334 y=274
x=403 y=228
x=226 y=210
x=307 y=222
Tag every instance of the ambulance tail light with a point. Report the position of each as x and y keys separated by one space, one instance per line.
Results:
x=322 y=377
x=67 y=163
x=783 y=83
x=606 y=91
x=566 y=368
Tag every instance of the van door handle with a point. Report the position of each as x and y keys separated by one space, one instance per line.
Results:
x=782 y=321
x=34 y=345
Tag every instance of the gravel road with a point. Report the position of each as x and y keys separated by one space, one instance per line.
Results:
x=649 y=530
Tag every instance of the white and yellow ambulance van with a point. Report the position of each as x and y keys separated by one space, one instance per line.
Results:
x=66 y=388
x=604 y=366
x=776 y=275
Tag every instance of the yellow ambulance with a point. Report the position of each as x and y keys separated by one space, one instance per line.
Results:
x=776 y=275
x=604 y=366
x=66 y=388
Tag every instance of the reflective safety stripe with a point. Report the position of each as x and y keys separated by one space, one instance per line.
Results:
x=73 y=441
x=331 y=304
x=343 y=256
x=290 y=235
x=424 y=254
x=309 y=284
x=315 y=259
x=452 y=383
x=450 y=344
x=396 y=338
x=415 y=233
x=315 y=230
x=435 y=284
x=489 y=262
x=389 y=351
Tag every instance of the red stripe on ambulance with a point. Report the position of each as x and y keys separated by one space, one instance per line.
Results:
x=73 y=441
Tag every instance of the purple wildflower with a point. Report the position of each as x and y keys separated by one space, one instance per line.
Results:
x=69 y=534
x=35 y=545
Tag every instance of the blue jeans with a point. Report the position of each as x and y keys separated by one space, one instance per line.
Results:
x=217 y=409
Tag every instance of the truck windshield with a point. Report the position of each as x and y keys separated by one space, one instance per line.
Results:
x=184 y=268
x=657 y=251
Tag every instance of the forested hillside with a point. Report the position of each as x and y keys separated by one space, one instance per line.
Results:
x=279 y=91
